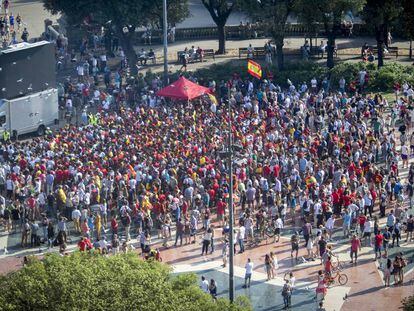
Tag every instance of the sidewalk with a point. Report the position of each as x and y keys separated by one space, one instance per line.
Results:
x=348 y=49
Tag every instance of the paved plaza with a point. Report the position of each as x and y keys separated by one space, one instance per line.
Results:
x=365 y=288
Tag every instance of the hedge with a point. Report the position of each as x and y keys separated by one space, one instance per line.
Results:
x=380 y=80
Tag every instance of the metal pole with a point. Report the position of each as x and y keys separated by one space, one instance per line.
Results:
x=164 y=7
x=231 y=212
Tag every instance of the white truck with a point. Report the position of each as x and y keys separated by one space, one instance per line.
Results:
x=31 y=113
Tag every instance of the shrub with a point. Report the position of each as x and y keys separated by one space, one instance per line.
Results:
x=382 y=79
x=408 y=303
x=92 y=282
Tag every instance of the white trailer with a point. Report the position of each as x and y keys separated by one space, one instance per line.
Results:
x=31 y=113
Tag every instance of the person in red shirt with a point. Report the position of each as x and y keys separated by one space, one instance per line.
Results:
x=221 y=206
x=328 y=267
x=361 y=220
x=276 y=170
x=355 y=247
x=114 y=225
x=336 y=200
x=379 y=238
x=85 y=244
x=82 y=245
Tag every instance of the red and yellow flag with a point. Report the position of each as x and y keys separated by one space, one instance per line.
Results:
x=254 y=69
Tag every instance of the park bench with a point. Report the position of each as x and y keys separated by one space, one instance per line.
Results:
x=243 y=51
x=316 y=51
x=257 y=52
x=391 y=50
x=206 y=53
x=209 y=53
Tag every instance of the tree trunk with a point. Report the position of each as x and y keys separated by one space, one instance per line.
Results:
x=330 y=50
x=279 y=50
x=411 y=49
x=380 y=47
x=381 y=37
x=127 y=46
x=221 y=28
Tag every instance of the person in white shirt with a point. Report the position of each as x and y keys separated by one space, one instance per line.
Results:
x=314 y=84
x=240 y=237
x=369 y=224
x=330 y=223
x=248 y=276
x=103 y=245
x=317 y=211
x=248 y=223
x=204 y=285
x=278 y=227
x=81 y=71
x=404 y=155
x=76 y=215
x=104 y=214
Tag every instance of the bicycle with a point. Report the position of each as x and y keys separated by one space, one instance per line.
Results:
x=336 y=264
x=336 y=274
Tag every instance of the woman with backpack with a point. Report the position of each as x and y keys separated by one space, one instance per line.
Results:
x=287 y=294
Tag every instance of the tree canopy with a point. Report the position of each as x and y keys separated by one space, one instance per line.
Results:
x=408 y=18
x=92 y=282
x=380 y=14
x=134 y=12
x=330 y=14
x=117 y=14
x=273 y=14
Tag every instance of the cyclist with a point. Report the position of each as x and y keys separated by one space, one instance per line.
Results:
x=328 y=269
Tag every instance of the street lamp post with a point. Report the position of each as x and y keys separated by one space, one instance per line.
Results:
x=231 y=211
x=164 y=9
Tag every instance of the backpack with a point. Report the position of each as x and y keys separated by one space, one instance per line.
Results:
x=286 y=290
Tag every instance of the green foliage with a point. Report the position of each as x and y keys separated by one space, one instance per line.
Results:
x=381 y=79
x=408 y=19
x=126 y=12
x=349 y=71
x=327 y=12
x=92 y=282
x=330 y=14
x=408 y=303
x=273 y=14
x=380 y=12
x=386 y=76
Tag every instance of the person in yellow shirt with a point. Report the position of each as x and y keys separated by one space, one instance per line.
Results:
x=61 y=199
x=98 y=225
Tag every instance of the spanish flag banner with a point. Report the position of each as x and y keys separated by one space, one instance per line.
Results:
x=254 y=69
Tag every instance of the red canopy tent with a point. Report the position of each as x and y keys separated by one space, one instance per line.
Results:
x=183 y=89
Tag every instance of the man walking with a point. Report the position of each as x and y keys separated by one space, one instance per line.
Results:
x=240 y=237
x=355 y=246
x=248 y=276
x=179 y=232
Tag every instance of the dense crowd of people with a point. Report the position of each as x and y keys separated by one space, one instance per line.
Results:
x=312 y=158
x=11 y=26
